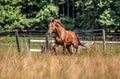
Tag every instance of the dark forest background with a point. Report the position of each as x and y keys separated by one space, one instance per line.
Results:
x=74 y=14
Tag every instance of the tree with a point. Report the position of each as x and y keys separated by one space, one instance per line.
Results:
x=47 y=12
x=10 y=14
x=74 y=14
x=110 y=18
x=39 y=12
x=67 y=13
x=88 y=12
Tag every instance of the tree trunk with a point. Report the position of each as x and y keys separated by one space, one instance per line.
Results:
x=67 y=7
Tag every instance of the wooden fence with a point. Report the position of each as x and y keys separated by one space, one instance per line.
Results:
x=98 y=37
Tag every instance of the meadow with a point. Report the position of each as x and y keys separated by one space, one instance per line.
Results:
x=91 y=64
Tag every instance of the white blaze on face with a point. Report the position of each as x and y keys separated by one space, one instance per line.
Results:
x=51 y=28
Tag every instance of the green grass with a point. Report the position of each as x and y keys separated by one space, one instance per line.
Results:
x=7 y=43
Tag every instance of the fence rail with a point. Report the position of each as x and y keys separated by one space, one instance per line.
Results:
x=84 y=37
x=96 y=36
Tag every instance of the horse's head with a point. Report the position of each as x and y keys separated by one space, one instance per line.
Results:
x=54 y=24
x=51 y=26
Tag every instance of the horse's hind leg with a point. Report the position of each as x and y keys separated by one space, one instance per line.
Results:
x=64 y=50
x=69 y=50
x=76 y=48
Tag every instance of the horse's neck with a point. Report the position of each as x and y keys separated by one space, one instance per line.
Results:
x=60 y=32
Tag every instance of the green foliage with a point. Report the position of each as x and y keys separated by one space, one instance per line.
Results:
x=116 y=15
x=106 y=18
x=68 y=22
x=110 y=18
x=35 y=14
x=98 y=14
x=10 y=14
x=47 y=12
x=86 y=14
x=102 y=3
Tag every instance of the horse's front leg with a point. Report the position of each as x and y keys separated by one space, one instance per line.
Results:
x=55 y=48
x=64 y=49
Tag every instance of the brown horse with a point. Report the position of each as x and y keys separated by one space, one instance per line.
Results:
x=63 y=37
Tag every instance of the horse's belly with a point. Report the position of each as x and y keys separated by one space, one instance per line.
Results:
x=59 y=41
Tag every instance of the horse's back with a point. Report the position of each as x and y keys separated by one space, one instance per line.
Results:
x=71 y=36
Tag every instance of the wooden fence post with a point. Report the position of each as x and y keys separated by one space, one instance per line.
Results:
x=17 y=40
x=46 y=47
x=104 y=42
x=29 y=44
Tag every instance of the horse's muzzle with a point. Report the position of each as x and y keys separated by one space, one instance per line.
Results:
x=48 y=33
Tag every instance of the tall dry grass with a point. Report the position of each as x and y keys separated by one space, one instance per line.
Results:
x=91 y=64
x=46 y=66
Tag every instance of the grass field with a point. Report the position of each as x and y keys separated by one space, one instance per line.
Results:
x=93 y=64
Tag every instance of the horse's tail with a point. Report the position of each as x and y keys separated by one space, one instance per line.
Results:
x=79 y=40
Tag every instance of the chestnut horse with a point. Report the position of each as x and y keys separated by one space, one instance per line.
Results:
x=63 y=37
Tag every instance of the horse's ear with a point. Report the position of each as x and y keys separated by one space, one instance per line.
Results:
x=51 y=20
x=57 y=20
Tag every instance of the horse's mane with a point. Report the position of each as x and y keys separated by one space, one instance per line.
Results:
x=59 y=22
